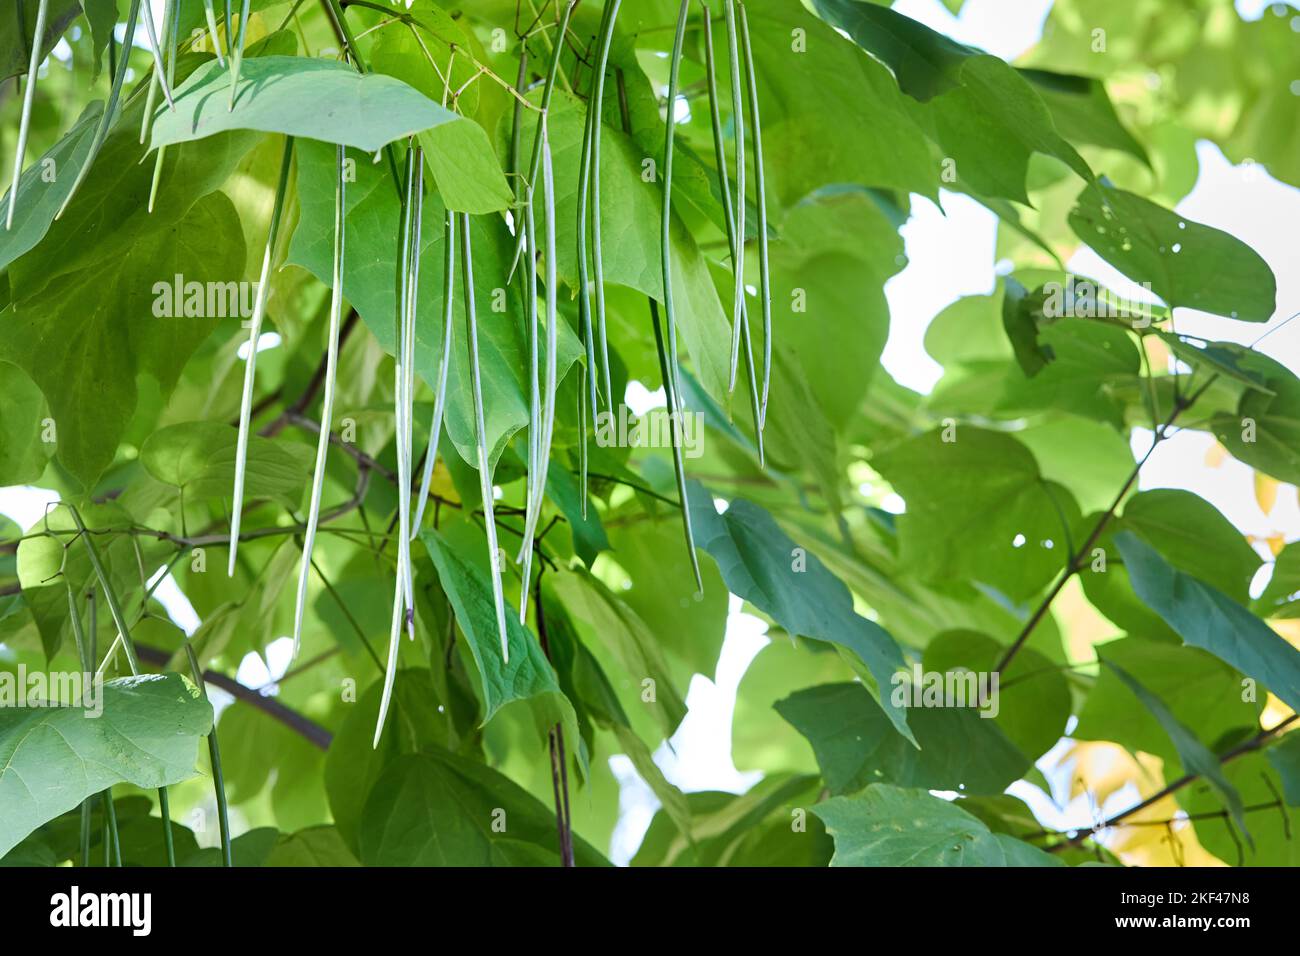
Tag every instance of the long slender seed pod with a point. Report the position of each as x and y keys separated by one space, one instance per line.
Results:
x=327 y=402
x=211 y=15
x=592 y=377
x=250 y=363
x=552 y=325
x=156 y=51
x=440 y=395
x=535 y=162
x=214 y=758
x=237 y=53
x=403 y=290
x=738 y=120
x=172 y=28
x=110 y=109
x=728 y=212
x=597 y=261
x=480 y=433
x=394 y=650
x=29 y=94
x=672 y=387
x=760 y=197
x=524 y=226
x=160 y=79
x=408 y=370
x=535 y=409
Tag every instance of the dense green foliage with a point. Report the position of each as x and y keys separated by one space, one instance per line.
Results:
x=470 y=232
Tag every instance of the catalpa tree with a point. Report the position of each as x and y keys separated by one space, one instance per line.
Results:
x=328 y=326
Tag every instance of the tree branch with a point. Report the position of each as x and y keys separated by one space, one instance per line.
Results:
x=1078 y=559
x=307 y=728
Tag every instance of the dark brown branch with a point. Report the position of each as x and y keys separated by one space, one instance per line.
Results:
x=1079 y=558
x=1248 y=746
x=311 y=731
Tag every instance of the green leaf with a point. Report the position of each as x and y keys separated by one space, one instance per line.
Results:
x=16 y=44
x=1184 y=262
x=660 y=589
x=354 y=763
x=1206 y=618
x=891 y=826
x=39 y=200
x=314 y=846
x=986 y=116
x=856 y=745
x=584 y=682
x=461 y=562
x=71 y=340
x=723 y=822
x=1281 y=597
x=1083 y=112
x=199 y=458
x=1265 y=432
x=1196 y=758
x=1193 y=536
x=1197 y=689
x=437 y=809
x=763 y=566
x=587 y=532
x=305 y=97
x=632 y=642
x=1033 y=696
x=869 y=138
x=52 y=758
x=466 y=170
x=23 y=453
x=978 y=508
x=1284 y=757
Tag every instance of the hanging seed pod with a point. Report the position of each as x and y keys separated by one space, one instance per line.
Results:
x=597 y=260
x=415 y=203
x=738 y=254
x=406 y=234
x=172 y=27
x=760 y=197
x=591 y=374
x=440 y=394
x=327 y=403
x=480 y=433
x=211 y=16
x=237 y=52
x=156 y=51
x=24 y=124
x=535 y=162
x=728 y=212
x=110 y=110
x=668 y=349
x=548 y=415
x=394 y=650
x=250 y=363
